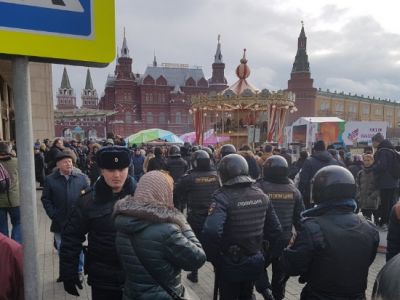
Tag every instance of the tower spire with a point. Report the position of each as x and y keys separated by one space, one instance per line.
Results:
x=89 y=82
x=301 y=63
x=65 y=80
x=218 y=54
x=124 y=49
x=155 y=59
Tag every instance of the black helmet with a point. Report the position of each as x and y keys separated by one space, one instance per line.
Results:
x=275 y=167
x=332 y=183
x=174 y=151
x=233 y=169
x=195 y=148
x=201 y=160
x=208 y=150
x=227 y=149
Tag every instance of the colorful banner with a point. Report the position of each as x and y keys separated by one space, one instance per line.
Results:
x=362 y=132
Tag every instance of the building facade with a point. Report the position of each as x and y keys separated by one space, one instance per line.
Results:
x=158 y=98
x=312 y=102
x=41 y=97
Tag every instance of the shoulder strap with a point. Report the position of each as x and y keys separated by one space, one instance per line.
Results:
x=172 y=293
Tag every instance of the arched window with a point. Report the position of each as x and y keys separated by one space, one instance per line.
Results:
x=149 y=118
x=178 y=118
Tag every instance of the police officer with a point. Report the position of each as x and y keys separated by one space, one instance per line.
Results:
x=334 y=247
x=227 y=149
x=93 y=216
x=177 y=167
x=195 y=190
x=288 y=204
x=240 y=217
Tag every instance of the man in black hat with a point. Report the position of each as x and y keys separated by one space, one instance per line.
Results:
x=318 y=159
x=61 y=192
x=93 y=217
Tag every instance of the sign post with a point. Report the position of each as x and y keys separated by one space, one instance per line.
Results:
x=80 y=32
x=26 y=172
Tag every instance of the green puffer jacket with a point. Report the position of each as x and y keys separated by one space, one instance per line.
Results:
x=153 y=232
x=11 y=165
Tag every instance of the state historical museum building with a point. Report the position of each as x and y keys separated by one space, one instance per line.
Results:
x=159 y=98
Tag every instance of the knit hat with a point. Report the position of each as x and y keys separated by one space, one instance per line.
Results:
x=4 y=148
x=155 y=187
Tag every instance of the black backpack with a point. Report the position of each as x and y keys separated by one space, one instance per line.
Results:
x=394 y=168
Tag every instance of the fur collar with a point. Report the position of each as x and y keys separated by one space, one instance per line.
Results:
x=149 y=211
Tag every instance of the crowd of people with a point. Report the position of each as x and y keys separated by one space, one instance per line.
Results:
x=130 y=219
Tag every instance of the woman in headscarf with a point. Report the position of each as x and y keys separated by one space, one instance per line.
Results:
x=154 y=240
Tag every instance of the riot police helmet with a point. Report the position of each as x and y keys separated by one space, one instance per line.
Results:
x=208 y=150
x=275 y=166
x=227 y=149
x=233 y=169
x=174 y=151
x=332 y=183
x=201 y=160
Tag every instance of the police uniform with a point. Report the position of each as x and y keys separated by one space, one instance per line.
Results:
x=334 y=247
x=239 y=219
x=93 y=217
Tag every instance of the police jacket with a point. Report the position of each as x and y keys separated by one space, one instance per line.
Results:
x=60 y=196
x=240 y=215
x=176 y=166
x=332 y=252
x=93 y=216
x=286 y=200
x=196 y=189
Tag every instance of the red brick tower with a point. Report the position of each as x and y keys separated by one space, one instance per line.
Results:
x=218 y=82
x=301 y=83
x=66 y=98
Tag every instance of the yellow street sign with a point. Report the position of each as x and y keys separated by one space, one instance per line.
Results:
x=68 y=31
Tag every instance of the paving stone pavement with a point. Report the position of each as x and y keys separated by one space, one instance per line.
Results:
x=51 y=290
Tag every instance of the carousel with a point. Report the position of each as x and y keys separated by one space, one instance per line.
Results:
x=243 y=112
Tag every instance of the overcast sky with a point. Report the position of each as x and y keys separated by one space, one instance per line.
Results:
x=353 y=45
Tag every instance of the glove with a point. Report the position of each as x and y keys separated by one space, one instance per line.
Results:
x=70 y=286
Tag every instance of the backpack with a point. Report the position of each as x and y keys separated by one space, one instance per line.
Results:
x=5 y=181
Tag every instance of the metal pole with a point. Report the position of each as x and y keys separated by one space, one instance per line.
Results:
x=27 y=190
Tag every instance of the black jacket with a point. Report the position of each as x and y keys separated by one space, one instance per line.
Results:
x=340 y=243
x=196 y=189
x=393 y=236
x=383 y=160
x=60 y=196
x=177 y=167
x=93 y=216
x=287 y=202
x=312 y=164
x=157 y=163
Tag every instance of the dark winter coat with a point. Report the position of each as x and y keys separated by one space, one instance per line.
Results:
x=254 y=169
x=93 y=217
x=177 y=167
x=137 y=161
x=393 y=237
x=156 y=163
x=355 y=167
x=367 y=190
x=383 y=160
x=332 y=252
x=315 y=162
x=39 y=168
x=152 y=234
x=60 y=196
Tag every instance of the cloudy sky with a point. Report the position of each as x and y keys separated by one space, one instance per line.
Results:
x=353 y=45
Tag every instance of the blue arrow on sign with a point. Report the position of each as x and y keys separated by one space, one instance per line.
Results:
x=56 y=17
